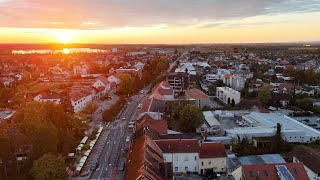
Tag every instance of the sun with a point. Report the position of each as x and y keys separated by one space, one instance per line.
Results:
x=64 y=37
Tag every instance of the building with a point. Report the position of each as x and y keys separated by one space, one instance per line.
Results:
x=179 y=82
x=145 y=160
x=212 y=158
x=114 y=50
x=201 y=99
x=228 y=95
x=211 y=124
x=310 y=158
x=235 y=82
x=102 y=82
x=81 y=97
x=183 y=154
x=264 y=125
x=48 y=97
x=287 y=171
x=212 y=77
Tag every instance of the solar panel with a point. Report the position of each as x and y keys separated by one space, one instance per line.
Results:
x=284 y=173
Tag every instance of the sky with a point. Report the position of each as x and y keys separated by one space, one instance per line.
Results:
x=159 y=21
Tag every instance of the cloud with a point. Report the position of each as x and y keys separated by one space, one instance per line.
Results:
x=83 y=14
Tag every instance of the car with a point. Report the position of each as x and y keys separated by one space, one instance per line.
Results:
x=142 y=91
x=94 y=166
x=128 y=139
x=124 y=118
x=139 y=105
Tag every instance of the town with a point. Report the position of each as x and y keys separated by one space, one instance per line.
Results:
x=221 y=111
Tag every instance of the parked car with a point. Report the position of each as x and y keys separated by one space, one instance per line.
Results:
x=94 y=166
x=128 y=139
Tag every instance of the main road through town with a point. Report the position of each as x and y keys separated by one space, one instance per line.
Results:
x=115 y=141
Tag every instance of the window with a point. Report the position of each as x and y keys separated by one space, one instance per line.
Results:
x=186 y=168
x=209 y=162
x=176 y=169
x=176 y=158
x=201 y=163
x=186 y=158
x=195 y=158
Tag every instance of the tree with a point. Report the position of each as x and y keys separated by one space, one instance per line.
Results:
x=277 y=145
x=264 y=94
x=126 y=84
x=213 y=86
x=90 y=108
x=5 y=154
x=190 y=118
x=49 y=167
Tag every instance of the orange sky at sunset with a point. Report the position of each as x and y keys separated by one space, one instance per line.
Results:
x=276 y=23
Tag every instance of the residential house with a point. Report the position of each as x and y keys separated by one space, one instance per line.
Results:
x=310 y=157
x=114 y=81
x=178 y=81
x=81 y=97
x=212 y=158
x=103 y=82
x=183 y=154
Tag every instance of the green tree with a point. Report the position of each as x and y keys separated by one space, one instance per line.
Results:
x=213 y=86
x=49 y=167
x=126 y=84
x=277 y=145
x=190 y=118
x=264 y=94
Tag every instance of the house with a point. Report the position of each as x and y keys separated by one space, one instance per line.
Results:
x=114 y=81
x=212 y=158
x=48 y=97
x=201 y=99
x=310 y=158
x=183 y=154
x=228 y=95
x=81 y=97
x=233 y=81
x=103 y=82
x=271 y=172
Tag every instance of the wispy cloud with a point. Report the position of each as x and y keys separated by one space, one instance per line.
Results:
x=83 y=14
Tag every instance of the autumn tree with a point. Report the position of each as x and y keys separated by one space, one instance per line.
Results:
x=91 y=108
x=264 y=94
x=126 y=84
x=49 y=167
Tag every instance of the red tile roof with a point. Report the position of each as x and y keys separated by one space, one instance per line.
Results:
x=212 y=150
x=270 y=172
x=160 y=126
x=178 y=146
x=310 y=157
x=195 y=93
x=49 y=96
x=161 y=90
x=227 y=75
x=103 y=79
x=138 y=164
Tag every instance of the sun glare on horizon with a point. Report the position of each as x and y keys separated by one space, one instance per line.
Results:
x=66 y=51
x=64 y=37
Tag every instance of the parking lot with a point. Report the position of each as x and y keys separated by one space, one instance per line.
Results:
x=311 y=121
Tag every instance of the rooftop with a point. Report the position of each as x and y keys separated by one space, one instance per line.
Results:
x=178 y=146
x=212 y=150
x=195 y=93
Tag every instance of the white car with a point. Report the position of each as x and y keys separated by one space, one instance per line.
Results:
x=128 y=139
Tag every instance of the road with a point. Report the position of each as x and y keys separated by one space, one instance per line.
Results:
x=114 y=144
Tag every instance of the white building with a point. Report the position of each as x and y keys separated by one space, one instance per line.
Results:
x=183 y=154
x=264 y=125
x=47 y=97
x=114 y=50
x=227 y=94
x=211 y=125
x=212 y=77
x=80 y=98
x=235 y=82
